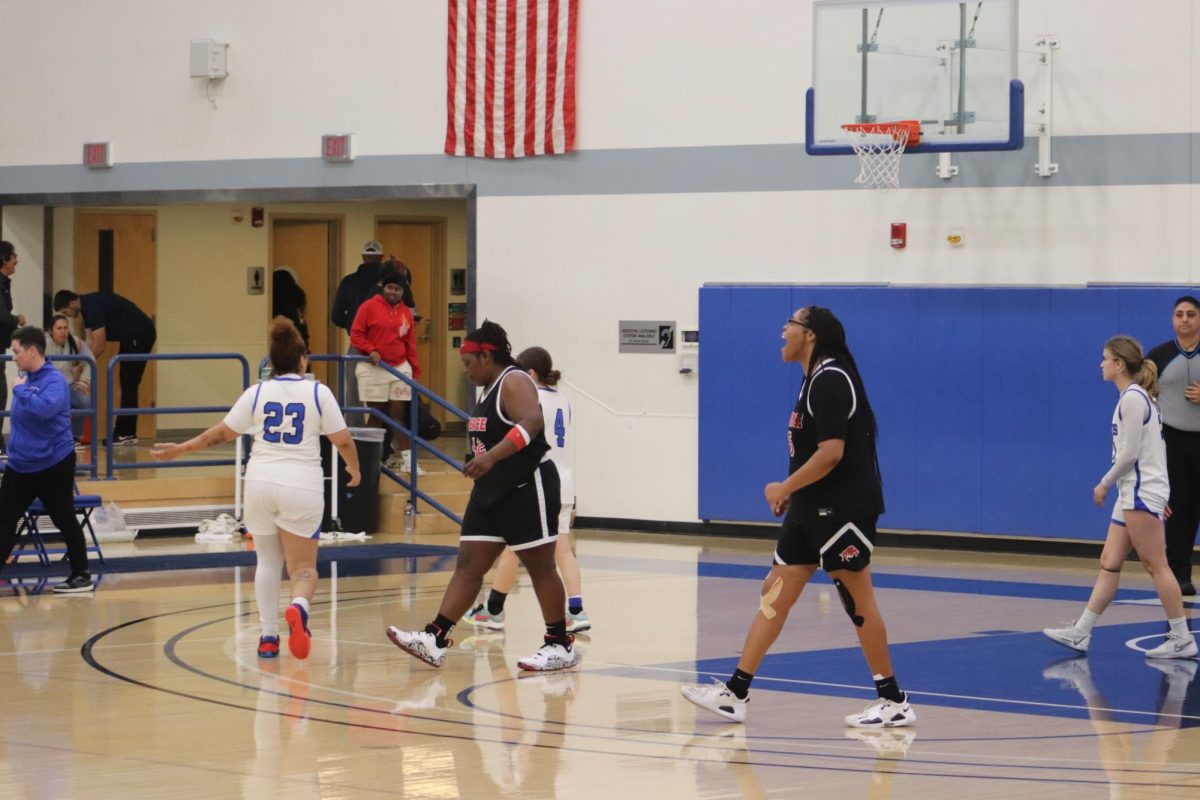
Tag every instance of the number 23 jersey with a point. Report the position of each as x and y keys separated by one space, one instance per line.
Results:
x=287 y=416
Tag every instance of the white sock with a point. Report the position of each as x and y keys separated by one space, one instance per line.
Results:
x=302 y=602
x=1086 y=621
x=1179 y=627
x=267 y=575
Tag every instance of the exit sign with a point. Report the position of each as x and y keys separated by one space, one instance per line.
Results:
x=337 y=147
x=97 y=155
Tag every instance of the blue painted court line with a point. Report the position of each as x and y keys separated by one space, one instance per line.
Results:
x=882 y=580
x=930 y=583
x=1021 y=673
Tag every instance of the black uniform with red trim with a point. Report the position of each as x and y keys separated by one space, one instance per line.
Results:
x=517 y=501
x=832 y=522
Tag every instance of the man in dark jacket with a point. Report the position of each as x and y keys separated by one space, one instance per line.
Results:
x=109 y=317
x=9 y=321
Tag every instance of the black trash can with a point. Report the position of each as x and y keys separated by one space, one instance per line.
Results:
x=358 y=506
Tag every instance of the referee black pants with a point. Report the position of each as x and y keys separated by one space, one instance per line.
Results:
x=1183 y=471
x=130 y=379
x=55 y=487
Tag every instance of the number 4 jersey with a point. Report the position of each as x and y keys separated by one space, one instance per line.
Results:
x=556 y=412
x=287 y=416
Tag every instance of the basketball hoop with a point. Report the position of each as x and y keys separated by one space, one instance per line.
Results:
x=879 y=146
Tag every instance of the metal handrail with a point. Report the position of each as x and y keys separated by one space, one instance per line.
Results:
x=414 y=440
x=91 y=412
x=110 y=413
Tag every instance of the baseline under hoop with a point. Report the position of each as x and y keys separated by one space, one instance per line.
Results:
x=879 y=146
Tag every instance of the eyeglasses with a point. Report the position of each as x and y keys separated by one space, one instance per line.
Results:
x=795 y=322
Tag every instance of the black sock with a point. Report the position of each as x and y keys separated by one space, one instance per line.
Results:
x=556 y=633
x=495 y=603
x=440 y=628
x=739 y=684
x=888 y=689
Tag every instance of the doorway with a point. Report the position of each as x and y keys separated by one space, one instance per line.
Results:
x=421 y=244
x=117 y=252
x=307 y=249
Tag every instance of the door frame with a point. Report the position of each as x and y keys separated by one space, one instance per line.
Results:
x=438 y=289
x=147 y=423
x=333 y=272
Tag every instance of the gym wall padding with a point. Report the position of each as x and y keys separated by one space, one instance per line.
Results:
x=993 y=416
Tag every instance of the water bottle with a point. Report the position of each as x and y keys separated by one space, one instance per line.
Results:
x=410 y=517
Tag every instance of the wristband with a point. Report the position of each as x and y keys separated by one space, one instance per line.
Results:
x=518 y=436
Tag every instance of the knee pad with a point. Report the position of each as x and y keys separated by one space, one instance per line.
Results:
x=768 y=597
x=848 y=603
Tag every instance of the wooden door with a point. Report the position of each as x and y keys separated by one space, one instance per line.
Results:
x=116 y=252
x=309 y=246
x=421 y=245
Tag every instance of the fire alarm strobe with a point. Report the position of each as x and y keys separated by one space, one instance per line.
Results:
x=899 y=235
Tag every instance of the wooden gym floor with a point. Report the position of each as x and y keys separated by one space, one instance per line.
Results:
x=151 y=688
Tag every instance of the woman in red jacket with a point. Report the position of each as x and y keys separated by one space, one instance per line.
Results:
x=384 y=331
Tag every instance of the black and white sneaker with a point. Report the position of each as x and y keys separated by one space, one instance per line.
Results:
x=719 y=699
x=884 y=714
x=78 y=582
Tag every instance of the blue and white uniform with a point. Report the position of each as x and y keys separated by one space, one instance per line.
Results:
x=556 y=413
x=284 y=483
x=1139 y=466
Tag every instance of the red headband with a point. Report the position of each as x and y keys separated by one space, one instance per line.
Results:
x=476 y=347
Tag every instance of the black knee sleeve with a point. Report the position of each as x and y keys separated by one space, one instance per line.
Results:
x=848 y=603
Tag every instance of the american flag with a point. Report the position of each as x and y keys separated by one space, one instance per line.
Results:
x=510 y=77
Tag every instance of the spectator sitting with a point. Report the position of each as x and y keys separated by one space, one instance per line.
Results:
x=79 y=378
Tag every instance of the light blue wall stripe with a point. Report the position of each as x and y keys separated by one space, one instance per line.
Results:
x=1119 y=160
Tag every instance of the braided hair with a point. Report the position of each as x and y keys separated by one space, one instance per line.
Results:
x=491 y=333
x=831 y=343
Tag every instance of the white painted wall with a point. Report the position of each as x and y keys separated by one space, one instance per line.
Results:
x=560 y=271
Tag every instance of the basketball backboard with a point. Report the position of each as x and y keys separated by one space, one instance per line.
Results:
x=952 y=66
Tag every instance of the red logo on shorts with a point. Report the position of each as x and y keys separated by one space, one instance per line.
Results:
x=849 y=553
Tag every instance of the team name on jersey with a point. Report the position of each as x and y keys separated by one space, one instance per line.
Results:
x=477 y=424
x=796 y=420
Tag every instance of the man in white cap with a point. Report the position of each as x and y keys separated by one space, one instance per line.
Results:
x=352 y=292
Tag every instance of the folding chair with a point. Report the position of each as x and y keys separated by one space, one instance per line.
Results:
x=28 y=532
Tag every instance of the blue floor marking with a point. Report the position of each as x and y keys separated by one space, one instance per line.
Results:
x=993 y=670
x=930 y=583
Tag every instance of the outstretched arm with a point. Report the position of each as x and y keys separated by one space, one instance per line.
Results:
x=217 y=434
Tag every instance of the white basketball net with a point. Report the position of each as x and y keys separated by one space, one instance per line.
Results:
x=879 y=156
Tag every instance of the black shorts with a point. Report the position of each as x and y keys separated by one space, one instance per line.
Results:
x=833 y=543
x=525 y=517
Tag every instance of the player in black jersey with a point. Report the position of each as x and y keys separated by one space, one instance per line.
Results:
x=514 y=503
x=832 y=497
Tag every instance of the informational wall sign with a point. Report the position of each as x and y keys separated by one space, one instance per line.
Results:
x=642 y=336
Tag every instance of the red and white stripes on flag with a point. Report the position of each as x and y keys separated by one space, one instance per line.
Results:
x=510 y=77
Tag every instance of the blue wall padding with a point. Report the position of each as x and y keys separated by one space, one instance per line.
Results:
x=993 y=417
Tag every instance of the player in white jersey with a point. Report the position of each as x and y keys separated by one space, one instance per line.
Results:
x=556 y=412
x=1139 y=470
x=285 y=497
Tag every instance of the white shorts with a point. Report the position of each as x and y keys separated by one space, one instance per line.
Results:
x=271 y=508
x=564 y=518
x=377 y=385
x=1131 y=499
